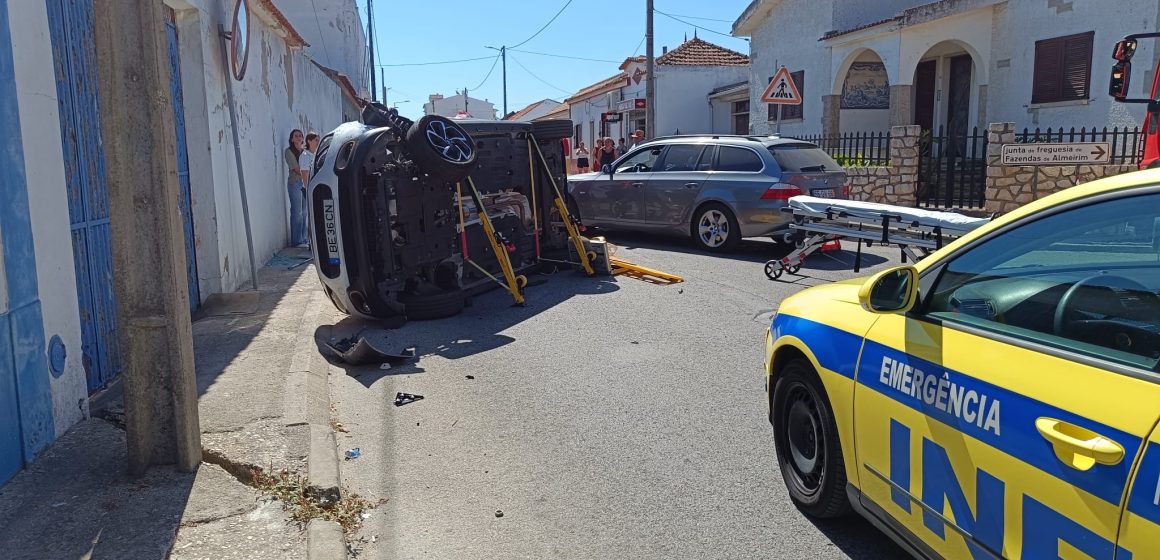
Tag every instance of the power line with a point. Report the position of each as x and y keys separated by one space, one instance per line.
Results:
x=565 y=56
x=703 y=18
x=637 y=49
x=697 y=26
x=489 y=71
x=321 y=35
x=539 y=78
x=434 y=63
x=566 y=4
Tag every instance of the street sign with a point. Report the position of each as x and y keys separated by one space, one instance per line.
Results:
x=1070 y=153
x=610 y=117
x=639 y=103
x=781 y=90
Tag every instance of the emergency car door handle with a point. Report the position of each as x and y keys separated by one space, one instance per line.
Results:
x=1079 y=448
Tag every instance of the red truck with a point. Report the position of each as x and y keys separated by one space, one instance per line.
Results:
x=1118 y=89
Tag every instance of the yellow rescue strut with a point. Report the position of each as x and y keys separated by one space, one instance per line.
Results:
x=569 y=222
x=514 y=284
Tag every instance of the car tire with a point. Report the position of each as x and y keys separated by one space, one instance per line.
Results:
x=441 y=148
x=714 y=228
x=809 y=454
x=553 y=129
x=437 y=305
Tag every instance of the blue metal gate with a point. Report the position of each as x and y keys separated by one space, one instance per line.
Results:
x=71 y=26
x=186 y=200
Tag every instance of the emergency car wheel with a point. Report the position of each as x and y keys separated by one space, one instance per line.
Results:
x=806 y=440
x=441 y=148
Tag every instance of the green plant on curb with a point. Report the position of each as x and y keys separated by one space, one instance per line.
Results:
x=293 y=490
x=857 y=160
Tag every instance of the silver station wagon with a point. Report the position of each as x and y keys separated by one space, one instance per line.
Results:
x=717 y=189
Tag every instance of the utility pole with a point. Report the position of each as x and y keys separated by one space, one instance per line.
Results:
x=385 y=88
x=465 y=100
x=156 y=336
x=503 y=55
x=371 y=42
x=650 y=88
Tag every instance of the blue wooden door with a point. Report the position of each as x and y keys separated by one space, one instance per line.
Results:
x=71 y=27
x=186 y=201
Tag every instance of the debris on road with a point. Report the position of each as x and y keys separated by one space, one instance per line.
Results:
x=499 y=513
x=385 y=365
x=470 y=377
x=354 y=453
x=406 y=398
x=359 y=350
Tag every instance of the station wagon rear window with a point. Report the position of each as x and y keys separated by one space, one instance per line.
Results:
x=803 y=158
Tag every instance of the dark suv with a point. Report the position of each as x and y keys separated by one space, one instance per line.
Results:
x=715 y=188
x=385 y=220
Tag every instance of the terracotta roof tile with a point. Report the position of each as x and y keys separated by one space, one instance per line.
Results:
x=599 y=87
x=699 y=52
x=561 y=112
x=519 y=115
x=293 y=38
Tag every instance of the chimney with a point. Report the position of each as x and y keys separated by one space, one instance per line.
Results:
x=664 y=51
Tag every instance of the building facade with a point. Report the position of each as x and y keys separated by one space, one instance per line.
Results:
x=58 y=317
x=951 y=65
x=459 y=106
x=534 y=110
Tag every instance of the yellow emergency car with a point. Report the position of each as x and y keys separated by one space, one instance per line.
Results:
x=999 y=399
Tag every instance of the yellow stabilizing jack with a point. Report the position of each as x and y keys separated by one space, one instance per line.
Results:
x=586 y=257
x=514 y=284
x=643 y=273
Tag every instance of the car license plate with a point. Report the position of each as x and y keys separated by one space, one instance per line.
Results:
x=823 y=193
x=330 y=229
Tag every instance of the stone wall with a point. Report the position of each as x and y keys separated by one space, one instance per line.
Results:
x=1011 y=187
x=895 y=183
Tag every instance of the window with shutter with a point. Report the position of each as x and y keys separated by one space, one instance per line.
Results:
x=1062 y=68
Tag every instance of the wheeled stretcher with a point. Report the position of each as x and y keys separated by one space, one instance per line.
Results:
x=818 y=221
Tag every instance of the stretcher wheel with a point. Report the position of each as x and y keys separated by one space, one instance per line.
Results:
x=521 y=281
x=794 y=269
x=773 y=270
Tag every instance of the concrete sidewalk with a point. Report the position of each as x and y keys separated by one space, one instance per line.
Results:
x=264 y=402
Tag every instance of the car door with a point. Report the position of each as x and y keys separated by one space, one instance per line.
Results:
x=675 y=183
x=1004 y=416
x=1140 y=526
x=616 y=198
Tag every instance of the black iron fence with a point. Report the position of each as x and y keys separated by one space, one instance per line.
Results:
x=855 y=149
x=1127 y=143
x=952 y=168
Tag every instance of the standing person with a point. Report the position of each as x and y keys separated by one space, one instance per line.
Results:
x=638 y=138
x=296 y=190
x=582 y=159
x=621 y=148
x=306 y=158
x=607 y=153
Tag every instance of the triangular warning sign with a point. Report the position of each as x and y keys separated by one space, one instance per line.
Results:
x=782 y=90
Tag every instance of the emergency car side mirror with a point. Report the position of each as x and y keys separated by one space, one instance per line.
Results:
x=1124 y=50
x=891 y=291
x=1118 y=85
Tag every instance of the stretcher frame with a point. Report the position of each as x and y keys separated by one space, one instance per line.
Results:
x=813 y=229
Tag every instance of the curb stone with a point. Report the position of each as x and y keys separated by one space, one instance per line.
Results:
x=324 y=540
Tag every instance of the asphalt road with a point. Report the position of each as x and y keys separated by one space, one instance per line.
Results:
x=609 y=418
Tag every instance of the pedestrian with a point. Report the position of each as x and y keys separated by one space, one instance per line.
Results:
x=607 y=153
x=621 y=148
x=638 y=138
x=582 y=159
x=296 y=190
x=306 y=159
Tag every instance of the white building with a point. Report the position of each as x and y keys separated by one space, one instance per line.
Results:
x=335 y=35
x=458 y=105
x=58 y=327
x=685 y=78
x=865 y=65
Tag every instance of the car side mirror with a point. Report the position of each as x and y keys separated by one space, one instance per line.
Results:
x=1121 y=75
x=1124 y=50
x=606 y=169
x=891 y=291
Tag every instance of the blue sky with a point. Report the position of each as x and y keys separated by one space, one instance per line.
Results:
x=413 y=31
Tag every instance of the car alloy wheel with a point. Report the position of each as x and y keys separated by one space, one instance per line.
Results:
x=713 y=229
x=451 y=142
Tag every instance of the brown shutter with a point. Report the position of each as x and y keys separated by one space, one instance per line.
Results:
x=770 y=107
x=1045 y=82
x=1077 y=67
x=791 y=112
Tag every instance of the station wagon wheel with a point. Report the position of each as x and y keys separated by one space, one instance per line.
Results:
x=806 y=439
x=714 y=228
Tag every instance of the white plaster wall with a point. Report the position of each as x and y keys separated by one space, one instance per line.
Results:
x=48 y=203
x=971 y=31
x=1019 y=24
x=540 y=110
x=790 y=38
x=281 y=91
x=682 y=96
x=865 y=120
x=334 y=30
x=586 y=112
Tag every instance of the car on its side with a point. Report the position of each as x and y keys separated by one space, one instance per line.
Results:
x=716 y=189
x=998 y=399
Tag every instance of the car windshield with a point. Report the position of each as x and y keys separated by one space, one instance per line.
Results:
x=803 y=158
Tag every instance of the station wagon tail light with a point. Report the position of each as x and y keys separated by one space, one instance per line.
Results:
x=781 y=191
x=846 y=190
